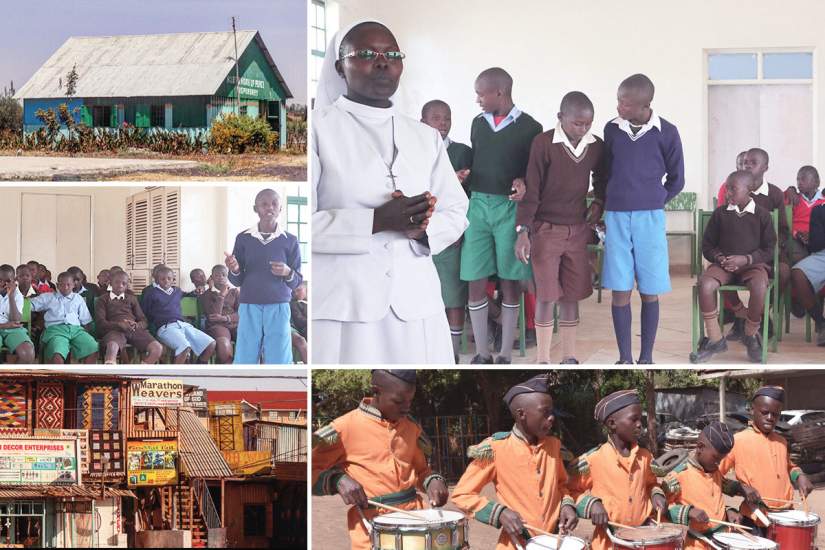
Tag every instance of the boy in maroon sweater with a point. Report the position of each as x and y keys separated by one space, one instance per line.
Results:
x=555 y=216
x=120 y=320
x=739 y=242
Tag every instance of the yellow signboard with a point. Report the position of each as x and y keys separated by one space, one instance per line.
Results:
x=151 y=463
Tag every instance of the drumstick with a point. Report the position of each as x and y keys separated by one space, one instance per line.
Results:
x=619 y=525
x=747 y=535
x=804 y=502
x=704 y=539
x=729 y=524
x=399 y=510
x=364 y=520
x=542 y=531
x=783 y=501
x=516 y=543
x=658 y=516
x=760 y=515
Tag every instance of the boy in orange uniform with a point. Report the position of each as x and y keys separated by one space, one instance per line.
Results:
x=615 y=481
x=761 y=461
x=521 y=498
x=376 y=452
x=695 y=488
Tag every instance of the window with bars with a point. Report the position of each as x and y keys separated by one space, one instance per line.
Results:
x=158 y=116
x=297 y=223
x=102 y=116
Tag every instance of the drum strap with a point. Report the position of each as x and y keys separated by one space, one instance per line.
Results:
x=399 y=497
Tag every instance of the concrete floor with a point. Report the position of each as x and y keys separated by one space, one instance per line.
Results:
x=597 y=344
x=65 y=168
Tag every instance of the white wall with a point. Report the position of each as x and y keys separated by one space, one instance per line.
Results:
x=551 y=47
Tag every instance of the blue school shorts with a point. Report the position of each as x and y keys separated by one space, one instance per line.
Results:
x=181 y=335
x=814 y=269
x=635 y=249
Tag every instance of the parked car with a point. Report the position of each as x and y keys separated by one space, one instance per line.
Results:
x=794 y=417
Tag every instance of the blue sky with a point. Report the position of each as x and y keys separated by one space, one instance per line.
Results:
x=31 y=31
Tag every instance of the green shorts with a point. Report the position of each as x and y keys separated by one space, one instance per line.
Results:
x=448 y=264
x=490 y=240
x=13 y=337
x=60 y=339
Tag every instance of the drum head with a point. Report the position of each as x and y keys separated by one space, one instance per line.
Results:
x=544 y=542
x=430 y=517
x=738 y=540
x=794 y=518
x=650 y=535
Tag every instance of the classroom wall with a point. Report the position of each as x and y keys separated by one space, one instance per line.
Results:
x=552 y=47
x=108 y=227
x=241 y=198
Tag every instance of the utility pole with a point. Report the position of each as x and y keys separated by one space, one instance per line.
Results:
x=237 y=71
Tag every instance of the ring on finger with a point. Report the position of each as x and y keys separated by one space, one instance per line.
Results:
x=412 y=220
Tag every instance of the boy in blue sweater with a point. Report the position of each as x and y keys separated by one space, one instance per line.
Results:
x=642 y=150
x=265 y=264
x=161 y=305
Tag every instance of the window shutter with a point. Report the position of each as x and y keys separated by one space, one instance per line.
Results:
x=142 y=117
x=140 y=253
x=156 y=230
x=172 y=228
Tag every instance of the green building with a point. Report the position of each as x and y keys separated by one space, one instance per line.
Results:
x=181 y=82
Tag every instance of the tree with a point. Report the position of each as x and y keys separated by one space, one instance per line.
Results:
x=11 y=113
x=71 y=82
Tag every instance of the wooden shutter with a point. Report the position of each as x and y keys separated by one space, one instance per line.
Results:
x=172 y=228
x=156 y=227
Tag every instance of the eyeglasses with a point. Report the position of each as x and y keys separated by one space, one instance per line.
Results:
x=370 y=55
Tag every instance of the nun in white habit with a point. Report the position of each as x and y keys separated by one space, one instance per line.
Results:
x=385 y=200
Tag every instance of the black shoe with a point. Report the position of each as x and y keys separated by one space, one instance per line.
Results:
x=455 y=356
x=569 y=361
x=708 y=349
x=737 y=332
x=754 y=346
x=644 y=361
x=797 y=309
x=620 y=362
x=501 y=360
x=479 y=360
x=820 y=334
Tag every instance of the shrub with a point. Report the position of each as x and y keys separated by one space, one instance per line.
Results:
x=11 y=115
x=239 y=134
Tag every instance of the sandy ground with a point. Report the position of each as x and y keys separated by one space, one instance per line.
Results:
x=154 y=167
x=329 y=530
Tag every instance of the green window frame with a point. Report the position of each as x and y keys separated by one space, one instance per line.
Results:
x=297 y=223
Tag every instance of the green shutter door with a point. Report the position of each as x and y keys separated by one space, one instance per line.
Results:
x=142 y=118
x=86 y=116
x=113 y=117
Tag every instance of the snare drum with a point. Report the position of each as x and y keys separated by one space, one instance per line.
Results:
x=662 y=537
x=793 y=529
x=441 y=530
x=738 y=541
x=544 y=542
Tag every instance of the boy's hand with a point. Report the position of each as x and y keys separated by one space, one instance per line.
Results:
x=568 y=519
x=351 y=492
x=734 y=263
x=462 y=175
x=231 y=263
x=403 y=214
x=660 y=504
x=511 y=522
x=523 y=247
x=437 y=493
x=10 y=325
x=804 y=236
x=733 y=516
x=215 y=317
x=697 y=514
x=595 y=212
x=280 y=269
x=792 y=196
x=804 y=485
x=519 y=189
x=598 y=515
x=751 y=495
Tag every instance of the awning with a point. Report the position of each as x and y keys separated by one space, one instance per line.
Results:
x=68 y=491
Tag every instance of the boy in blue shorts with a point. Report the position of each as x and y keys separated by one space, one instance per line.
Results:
x=643 y=150
x=501 y=137
x=12 y=333
x=266 y=264
x=66 y=315
x=161 y=305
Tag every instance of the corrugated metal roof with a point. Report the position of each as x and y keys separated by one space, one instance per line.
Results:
x=198 y=452
x=150 y=65
x=82 y=491
x=266 y=399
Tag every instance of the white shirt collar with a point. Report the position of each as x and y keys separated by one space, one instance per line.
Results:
x=31 y=291
x=114 y=296
x=763 y=189
x=168 y=291
x=817 y=197
x=560 y=137
x=272 y=236
x=624 y=125
x=514 y=113
x=750 y=208
x=447 y=142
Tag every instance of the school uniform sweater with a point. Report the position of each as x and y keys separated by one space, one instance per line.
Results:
x=774 y=200
x=257 y=283
x=816 y=239
x=162 y=308
x=500 y=157
x=730 y=234
x=802 y=213
x=636 y=167
x=557 y=182
x=109 y=312
x=461 y=157
x=213 y=303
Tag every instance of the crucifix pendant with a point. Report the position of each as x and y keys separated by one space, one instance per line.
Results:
x=392 y=179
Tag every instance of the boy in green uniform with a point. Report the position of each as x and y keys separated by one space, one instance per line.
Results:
x=12 y=333
x=501 y=137
x=437 y=114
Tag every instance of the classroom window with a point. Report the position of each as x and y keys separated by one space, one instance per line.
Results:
x=318 y=41
x=732 y=66
x=243 y=110
x=158 y=116
x=791 y=65
x=254 y=520
x=297 y=220
x=102 y=116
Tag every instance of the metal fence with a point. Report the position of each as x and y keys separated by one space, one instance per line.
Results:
x=450 y=436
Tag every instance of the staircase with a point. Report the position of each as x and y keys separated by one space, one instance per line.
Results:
x=187 y=507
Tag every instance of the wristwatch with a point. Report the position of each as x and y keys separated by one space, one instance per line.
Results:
x=523 y=229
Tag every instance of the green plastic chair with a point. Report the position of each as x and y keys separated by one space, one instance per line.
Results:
x=786 y=301
x=771 y=296
x=685 y=202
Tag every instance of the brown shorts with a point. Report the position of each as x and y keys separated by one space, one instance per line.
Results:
x=140 y=339
x=747 y=276
x=561 y=265
x=220 y=331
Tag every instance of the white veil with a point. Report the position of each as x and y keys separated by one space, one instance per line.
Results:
x=331 y=85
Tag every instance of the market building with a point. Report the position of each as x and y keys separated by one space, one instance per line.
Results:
x=179 y=82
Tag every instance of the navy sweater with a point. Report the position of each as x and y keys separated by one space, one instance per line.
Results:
x=161 y=308
x=816 y=241
x=636 y=168
x=258 y=284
